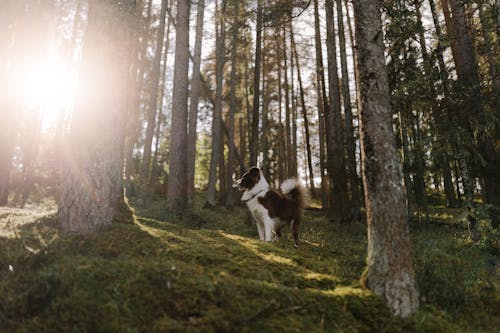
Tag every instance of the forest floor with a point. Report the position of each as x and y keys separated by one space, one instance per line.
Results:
x=207 y=272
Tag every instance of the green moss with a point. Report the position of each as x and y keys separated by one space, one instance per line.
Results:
x=204 y=270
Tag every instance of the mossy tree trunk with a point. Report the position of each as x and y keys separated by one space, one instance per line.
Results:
x=389 y=271
x=91 y=189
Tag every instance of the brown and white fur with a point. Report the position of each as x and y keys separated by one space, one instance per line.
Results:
x=273 y=209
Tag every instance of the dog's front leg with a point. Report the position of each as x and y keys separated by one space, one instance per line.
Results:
x=260 y=229
x=269 y=228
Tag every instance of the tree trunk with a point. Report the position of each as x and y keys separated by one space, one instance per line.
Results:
x=152 y=107
x=339 y=207
x=304 y=112
x=293 y=159
x=254 y=141
x=91 y=189
x=349 y=127
x=232 y=108
x=288 y=129
x=155 y=171
x=281 y=128
x=139 y=49
x=468 y=76
x=389 y=271
x=491 y=174
x=443 y=72
x=195 y=96
x=322 y=105
x=177 y=178
x=217 y=139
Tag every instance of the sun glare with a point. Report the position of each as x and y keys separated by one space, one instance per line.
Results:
x=48 y=88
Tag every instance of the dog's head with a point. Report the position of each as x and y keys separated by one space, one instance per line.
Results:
x=248 y=180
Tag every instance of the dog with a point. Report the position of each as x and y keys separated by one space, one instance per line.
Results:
x=273 y=209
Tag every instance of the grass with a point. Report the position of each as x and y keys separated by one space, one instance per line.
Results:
x=205 y=271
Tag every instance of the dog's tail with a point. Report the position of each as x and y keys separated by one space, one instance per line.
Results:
x=297 y=191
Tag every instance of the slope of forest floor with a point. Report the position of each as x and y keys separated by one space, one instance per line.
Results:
x=207 y=272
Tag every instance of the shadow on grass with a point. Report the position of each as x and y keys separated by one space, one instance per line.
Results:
x=157 y=276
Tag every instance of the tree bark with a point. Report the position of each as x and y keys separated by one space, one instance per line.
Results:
x=152 y=107
x=177 y=179
x=232 y=108
x=322 y=105
x=195 y=96
x=254 y=141
x=217 y=139
x=389 y=271
x=91 y=191
x=288 y=129
x=304 y=112
x=339 y=206
x=349 y=127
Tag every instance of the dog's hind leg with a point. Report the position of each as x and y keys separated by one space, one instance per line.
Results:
x=268 y=229
x=295 y=230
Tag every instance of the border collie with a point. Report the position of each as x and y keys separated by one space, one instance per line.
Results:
x=273 y=209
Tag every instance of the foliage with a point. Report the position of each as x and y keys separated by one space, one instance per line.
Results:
x=205 y=271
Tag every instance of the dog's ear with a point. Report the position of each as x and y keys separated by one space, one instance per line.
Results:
x=255 y=174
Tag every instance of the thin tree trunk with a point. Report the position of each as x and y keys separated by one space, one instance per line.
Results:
x=160 y=122
x=349 y=127
x=195 y=96
x=281 y=130
x=232 y=107
x=468 y=76
x=339 y=206
x=408 y=184
x=294 y=172
x=389 y=271
x=322 y=105
x=443 y=72
x=265 y=113
x=217 y=139
x=288 y=135
x=491 y=174
x=177 y=179
x=152 y=107
x=304 y=112
x=254 y=141
x=137 y=80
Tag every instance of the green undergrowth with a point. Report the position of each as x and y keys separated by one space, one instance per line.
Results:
x=204 y=270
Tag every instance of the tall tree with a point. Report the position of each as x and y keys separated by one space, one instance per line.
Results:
x=152 y=105
x=389 y=271
x=335 y=136
x=232 y=106
x=217 y=154
x=468 y=75
x=91 y=189
x=177 y=178
x=303 y=109
x=443 y=74
x=254 y=142
x=195 y=96
x=349 y=126
x=322 y=104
